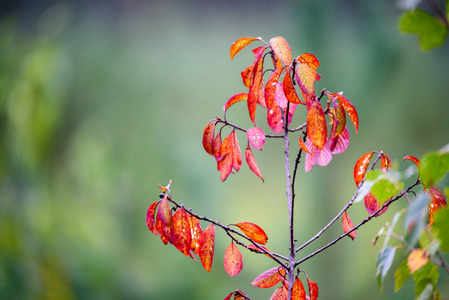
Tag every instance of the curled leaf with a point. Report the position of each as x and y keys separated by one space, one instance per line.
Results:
x=253 y=231
x=208 y=137
x=413 y=159
x=361 y=166
x=437 y=202
x=164 y=220
x=250 y=160
x=233 y=261
x=151 y=217
x=234 y=99
x=313 y=289
x=241 y=43
x=349 y=108
x=348 y=225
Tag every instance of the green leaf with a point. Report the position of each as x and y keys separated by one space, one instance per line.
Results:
x=426 y=275
x=384 y=190
x=433 y=167
x=401 y=275
x=441 y=227
x=384 y=260
x=427 y=292
x=431 y=31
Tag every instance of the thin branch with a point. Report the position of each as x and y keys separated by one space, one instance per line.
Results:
x=439 y=12
x=244 y=130
x=386 y=204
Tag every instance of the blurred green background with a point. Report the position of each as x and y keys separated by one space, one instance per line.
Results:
x=102 y=100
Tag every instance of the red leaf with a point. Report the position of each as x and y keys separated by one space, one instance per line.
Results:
x=234 y=99
x=216 y=146
x=361 y=166
x=255 y=88
x=269 y=278
x=339 y=143
x=350 y=110
x=233 y=261
x=229 y=156
x=164 y=220
x=413 y=159
x=228 y=297
x=253 y=231
x=348 y=225
x=316 y=125
x=206 y=252
x=181 y=234
x=313 y=289
x=270 y=87
x=437 y=202
x=252 y=162
x=281 y=293
x=208 y=137
x=372 y=205
x=340 y=122
x=275 y=116
x=240 y=44
x=196 y=233
x=290 y=91
x=239 y=295
x=281 y=50
x=317 y=155
x=256 y=137
x=150 y=217
x=298 y=292
x=253 y=247
x=305 y=73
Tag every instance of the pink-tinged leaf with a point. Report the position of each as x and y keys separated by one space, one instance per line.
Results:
x=233 y=260
x=269 y=278
x=305 y=73
x=298 y=292
x=250 y=160
x=279 y=96
x=281 y=50
x=256 y=137
x=181 y=234
x=247 y=76
x=234 y=99
x=317 y=155
x=255 y=88
x=348 y=225
x=241 y=43
x=208 y=137
x=281 y=293
x=253 y=231
x=289 y=90
x=313 y=289
x=216 y=146
x=229 y=156
x=385 y=162
x=372 y=205
x=413 y=159
x=270 y=87
x=196 y=233
x=303 y=146
x=349 y=108
x=164 y=220
x=437 y=202
x=206 y=252
x=151 y=223
x=361 y=166
x=275 y=117
x=339 y=143
x=316 y=125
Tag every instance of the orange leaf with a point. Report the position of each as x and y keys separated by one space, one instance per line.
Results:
x=216 y=146
x=385 y=162
x=196 y=233
x=417 y=259
x=289 y=90
x=256 y=137
x=229 y=156
x=316 y=125
x=313 y=289
x=348 y=225
x=349 y=108
x=303 y=146
x=255 y=88
x=233 y=261
x=413 y=159
x=281 y=50
x=239 y=295
x=181 y=234
x=270 y=87
x=281 y=293
x=240 y=44
x=361 y=166
x=206 y=252
x=306 y=74
x=253 y=247
x=340 y=118
x=234 y=99
x=252 y=162
x=150 y=217
x=372 y=205
x=253 y=231
x=269 y=278
x=298 y=292
x=164 y=220
x=247 y=76
x=208 y=137
x=437 y=202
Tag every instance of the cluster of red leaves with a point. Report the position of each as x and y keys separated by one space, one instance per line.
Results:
x=280 y=98
x=183 y=230
x=437 y=200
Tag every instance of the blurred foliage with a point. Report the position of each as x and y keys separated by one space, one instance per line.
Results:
x=101 y=100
